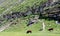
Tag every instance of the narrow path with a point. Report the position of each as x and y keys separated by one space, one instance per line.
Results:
x=5 y=26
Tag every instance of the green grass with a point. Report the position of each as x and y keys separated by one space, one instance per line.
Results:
x=21 y=26
x=32 y=34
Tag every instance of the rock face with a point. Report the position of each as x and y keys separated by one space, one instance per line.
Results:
x=16 y=15
x=46 y=9
x=52 y=11
x=32 y=21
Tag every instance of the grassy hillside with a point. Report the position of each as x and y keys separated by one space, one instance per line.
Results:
x=21 y=27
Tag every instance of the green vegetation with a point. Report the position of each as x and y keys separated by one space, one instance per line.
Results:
x=7 y=4
x=28 y=3
x=24 y=34
x=1 y=9
x=20 y=28
x=35 y=27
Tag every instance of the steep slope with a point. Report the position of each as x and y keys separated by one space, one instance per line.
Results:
x=21 y=24
x=30 y=2
x=3 y=23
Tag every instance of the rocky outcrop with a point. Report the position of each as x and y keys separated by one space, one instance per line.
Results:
x=45 y=9
x=52 y=11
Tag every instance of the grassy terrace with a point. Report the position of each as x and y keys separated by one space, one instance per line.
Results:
x=24 y=34
x=21 y=27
